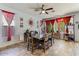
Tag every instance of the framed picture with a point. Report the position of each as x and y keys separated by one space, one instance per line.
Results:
x=21 y=22
x=30 y=22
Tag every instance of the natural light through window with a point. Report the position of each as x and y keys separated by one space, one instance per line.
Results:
x=5 y=22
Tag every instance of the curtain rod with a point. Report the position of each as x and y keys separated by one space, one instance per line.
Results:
x=6 y=11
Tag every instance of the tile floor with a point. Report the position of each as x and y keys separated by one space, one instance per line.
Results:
x=59 y=48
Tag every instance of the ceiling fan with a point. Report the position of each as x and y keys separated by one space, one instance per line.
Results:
x=43 y=10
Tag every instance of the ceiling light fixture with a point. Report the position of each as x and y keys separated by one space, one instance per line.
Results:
x=43 y=11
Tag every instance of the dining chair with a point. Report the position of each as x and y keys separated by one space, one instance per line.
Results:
x=56 y=35
x=25 y=37
x=31 y=43
x=50 y=39
x=45 y=43
x=28 y=43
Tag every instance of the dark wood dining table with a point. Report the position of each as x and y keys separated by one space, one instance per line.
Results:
x=39 y=41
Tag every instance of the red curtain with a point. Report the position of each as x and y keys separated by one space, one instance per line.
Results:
x=59 y=20
x=52 y=21
x=9 y=17
x=48 y=22
x=67 y=19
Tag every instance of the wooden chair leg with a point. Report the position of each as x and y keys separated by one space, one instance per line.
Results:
x=32 y=47
x=28 y=46
x=44 y=49
x=53 y=39
x=51 y=42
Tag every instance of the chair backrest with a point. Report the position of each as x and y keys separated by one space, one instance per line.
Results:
x=46 y=37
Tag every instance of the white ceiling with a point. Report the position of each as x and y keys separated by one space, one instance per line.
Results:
x=60 y=8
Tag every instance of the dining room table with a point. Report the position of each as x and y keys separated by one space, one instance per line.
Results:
x=39 y=40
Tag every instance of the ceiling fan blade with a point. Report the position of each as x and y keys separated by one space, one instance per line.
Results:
x=42 y=7
x=46 y=12
x=49 y=9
